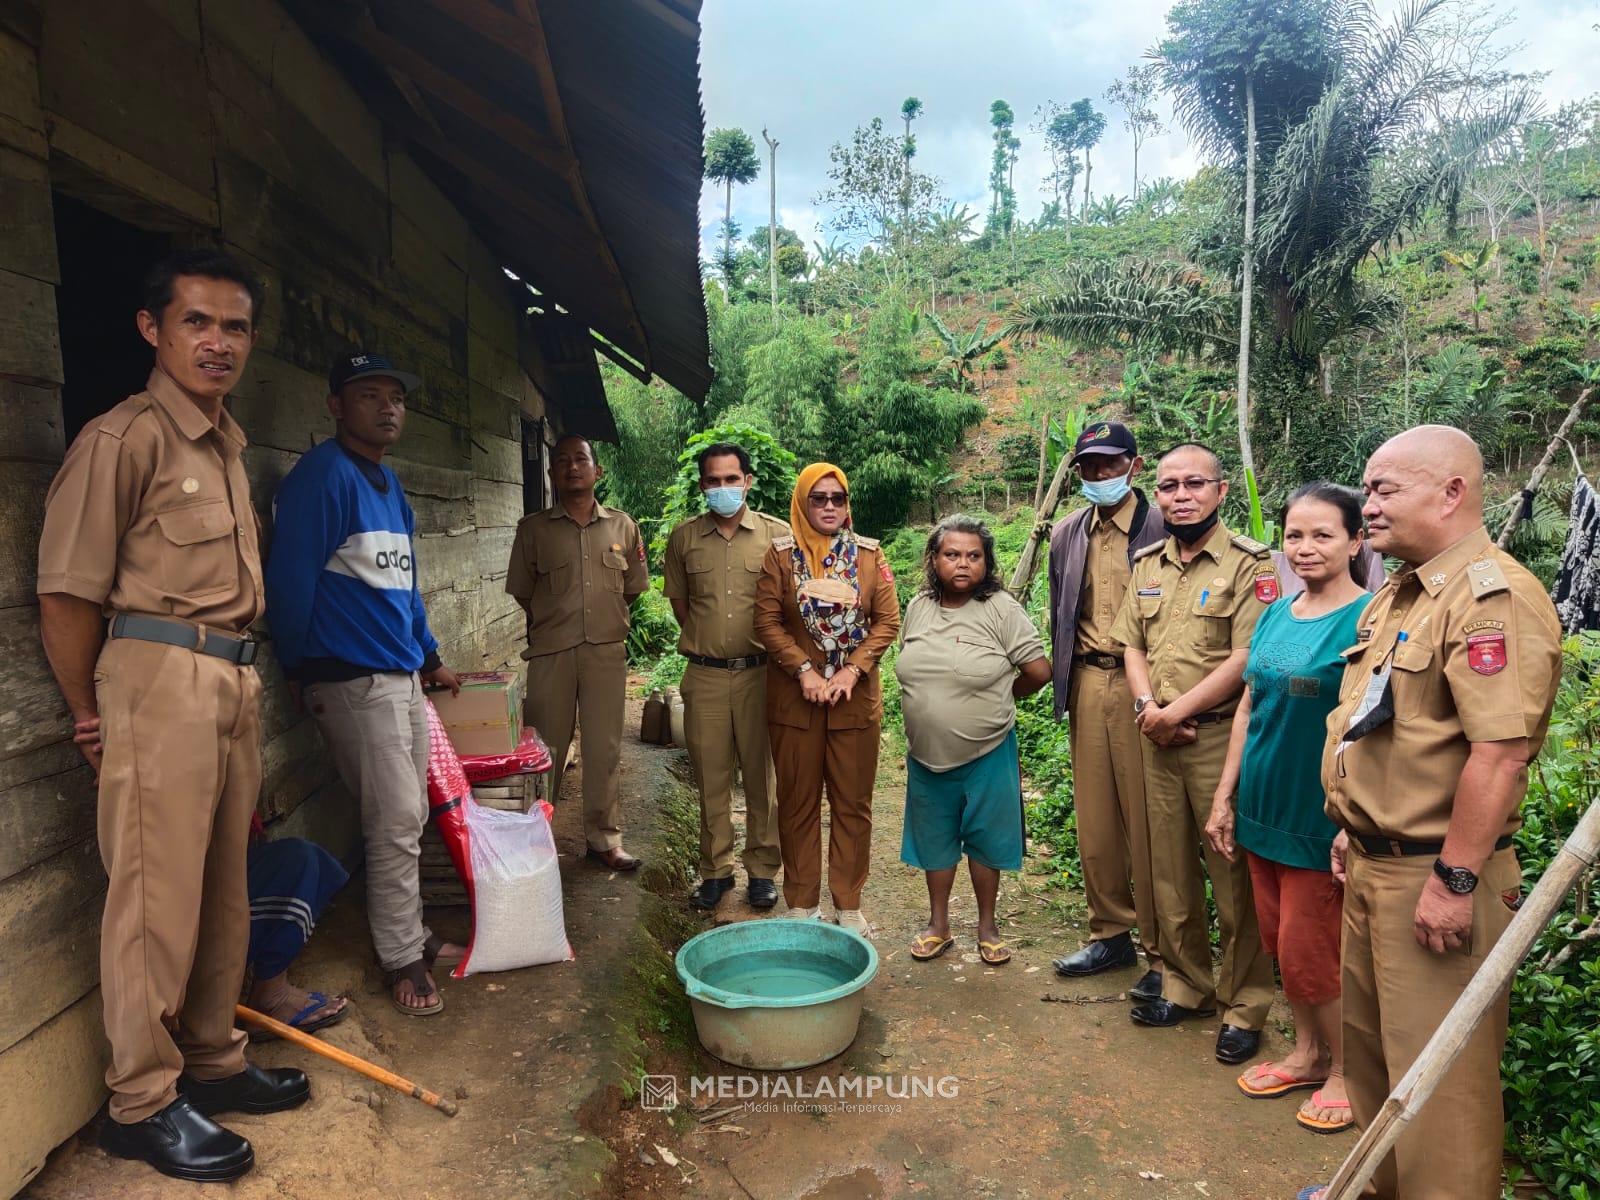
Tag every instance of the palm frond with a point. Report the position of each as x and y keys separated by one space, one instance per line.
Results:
x=1153 y=307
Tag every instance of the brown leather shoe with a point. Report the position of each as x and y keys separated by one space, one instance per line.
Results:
x=616 y=858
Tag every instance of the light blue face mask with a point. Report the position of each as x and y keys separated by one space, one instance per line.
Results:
x=725 y=501
x=1106 y=492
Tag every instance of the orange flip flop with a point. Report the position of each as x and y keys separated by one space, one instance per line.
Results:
x=1319 y=1126
x=1286 y=1082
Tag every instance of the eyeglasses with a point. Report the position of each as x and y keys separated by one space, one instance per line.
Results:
x=829 y=499
x=1169 y=487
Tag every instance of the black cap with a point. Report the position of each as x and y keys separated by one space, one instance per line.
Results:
x=362 y=365
x=1104 y=437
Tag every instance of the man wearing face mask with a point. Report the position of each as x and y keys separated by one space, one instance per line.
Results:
x=1186 y=625
x=712 y=564
x=1091 y=563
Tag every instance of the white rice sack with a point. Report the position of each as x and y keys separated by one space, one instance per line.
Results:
x=517 y=918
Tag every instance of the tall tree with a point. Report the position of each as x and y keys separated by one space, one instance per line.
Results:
x=772 y=217
x=730 y=159
x=1088 y=126
x=869 y=181
x=1003 y=200
x=1059 y=129
x=1135 y=94
x=910 y=110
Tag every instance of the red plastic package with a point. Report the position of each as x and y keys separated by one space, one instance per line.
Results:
x=448 y=792
x=531 y=757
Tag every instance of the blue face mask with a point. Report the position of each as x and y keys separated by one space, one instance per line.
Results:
x=1106 y=492
x=725 y=501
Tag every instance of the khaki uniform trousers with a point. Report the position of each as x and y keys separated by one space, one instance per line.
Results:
x=178 y=782
x=725 y=721
x=376 y=728
x=1179 y=786
x=846 y=762
x=1108 y=797
x=590 y=680
x=1396 y=993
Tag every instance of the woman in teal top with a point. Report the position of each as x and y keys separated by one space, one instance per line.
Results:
x=1275 y=765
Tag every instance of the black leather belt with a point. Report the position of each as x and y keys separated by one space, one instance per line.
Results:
x=1389 y=848
x=1211 y=718
x=1106 y=662
x=728 y=664
x=230 y=647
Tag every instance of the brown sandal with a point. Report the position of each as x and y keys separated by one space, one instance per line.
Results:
x=422 y=986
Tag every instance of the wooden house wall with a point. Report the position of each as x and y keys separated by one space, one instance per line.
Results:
x=206 y=118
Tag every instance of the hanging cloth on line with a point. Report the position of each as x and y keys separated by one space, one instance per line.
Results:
x=1577 y=590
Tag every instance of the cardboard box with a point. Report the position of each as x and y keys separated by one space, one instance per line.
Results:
x=486 y=718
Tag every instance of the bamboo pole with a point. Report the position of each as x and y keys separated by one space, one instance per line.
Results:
x=1044 y=460
x=345 y=1059
x=1469 y=1010
x=1540 y=471
x=1028 y=563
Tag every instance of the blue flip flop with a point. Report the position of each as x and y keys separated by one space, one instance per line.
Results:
x=300 y=1020
x=1310 y=1193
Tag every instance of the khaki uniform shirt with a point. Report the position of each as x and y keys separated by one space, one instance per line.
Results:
x=151 y=513
x=717 y=577
x=577 y=581
x=1475 y=647
x=1189 y=619
x=1106 y=573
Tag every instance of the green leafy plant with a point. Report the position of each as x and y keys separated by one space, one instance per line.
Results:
x=772 y=465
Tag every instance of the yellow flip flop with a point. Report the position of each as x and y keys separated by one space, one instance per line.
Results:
x=919 y=946
x=994 y=954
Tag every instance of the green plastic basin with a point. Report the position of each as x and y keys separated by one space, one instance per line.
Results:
x=776 y=995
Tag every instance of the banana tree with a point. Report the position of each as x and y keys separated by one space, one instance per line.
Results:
x=962 y=349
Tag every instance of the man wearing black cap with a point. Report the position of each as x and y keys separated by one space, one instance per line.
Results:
x=1091 y=563
x=351 y=634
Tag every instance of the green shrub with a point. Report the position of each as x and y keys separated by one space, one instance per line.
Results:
x=772 y=465
x=652 y=629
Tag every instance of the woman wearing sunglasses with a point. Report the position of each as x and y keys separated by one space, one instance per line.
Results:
x=826 y=611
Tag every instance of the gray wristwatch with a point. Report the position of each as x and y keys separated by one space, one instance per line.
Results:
x=802 y=669
x=1140 y=702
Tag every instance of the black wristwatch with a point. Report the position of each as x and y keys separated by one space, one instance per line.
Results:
x=1458 y=879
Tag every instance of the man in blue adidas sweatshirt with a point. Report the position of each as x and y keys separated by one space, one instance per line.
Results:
x=351 y=634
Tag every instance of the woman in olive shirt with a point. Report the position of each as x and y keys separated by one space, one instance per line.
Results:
x=1274 y=762
x=968 y=650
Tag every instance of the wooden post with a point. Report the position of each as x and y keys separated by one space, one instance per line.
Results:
x=1044 y=460
x=1482 y=992
x=1540 y=471
x=772 y=218
x=1028 y=564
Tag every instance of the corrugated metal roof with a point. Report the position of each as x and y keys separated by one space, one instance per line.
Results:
x=568 y=133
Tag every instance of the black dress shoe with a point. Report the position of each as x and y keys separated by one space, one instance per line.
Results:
x=1109 y=954
x=1235 y=1045
x=252 y=1090
x=1163 y=1014
x=1148 y=988
x=710 y=892
x=763 y=893
x=181 y=1142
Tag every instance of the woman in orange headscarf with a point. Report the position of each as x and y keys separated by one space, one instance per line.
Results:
x=826 y=611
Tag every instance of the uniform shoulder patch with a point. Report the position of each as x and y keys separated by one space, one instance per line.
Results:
x=1487 y=578
x=866 y=543
x=786 y=542
x=117 y=421
x=1152 y=548
x=1251 y=547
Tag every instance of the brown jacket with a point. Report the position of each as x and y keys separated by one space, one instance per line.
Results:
x=784 y=634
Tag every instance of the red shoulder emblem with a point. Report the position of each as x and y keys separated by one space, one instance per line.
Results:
x=640 y=547
x=885 y=570
x=1486 y=653
x=1266 y=588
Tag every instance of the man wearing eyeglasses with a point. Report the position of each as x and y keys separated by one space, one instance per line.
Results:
x=1186 y=625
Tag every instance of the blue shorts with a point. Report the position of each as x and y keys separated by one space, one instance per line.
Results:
x=975 y=809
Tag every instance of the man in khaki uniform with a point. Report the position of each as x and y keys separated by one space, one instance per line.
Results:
x=712 y=564
x=1186 y=623
x=1448 y=688
x=577 y=567
x=1091 y=564
x=149 y=524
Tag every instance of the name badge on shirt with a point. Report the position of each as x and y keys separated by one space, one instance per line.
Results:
x=1149 y=591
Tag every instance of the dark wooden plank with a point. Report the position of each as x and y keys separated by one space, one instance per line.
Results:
x=33 y=715
x=33 y=427
x=64 y=1060
x=30 y=346
x=495 y=415
x=293 y=766
x=47 y=803
x=22 y=491
x=49 y=913
x=498 y=458
x=496 y=505
x=21 y=118
x=27 y=219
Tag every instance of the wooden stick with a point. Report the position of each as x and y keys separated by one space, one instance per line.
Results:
x=1028 y=563
x=1485 y=988
x=345 y=1059
x=1539 y=472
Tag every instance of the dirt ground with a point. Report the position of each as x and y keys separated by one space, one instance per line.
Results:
x=1059 y=1094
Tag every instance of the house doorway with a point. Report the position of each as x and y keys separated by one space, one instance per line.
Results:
x=535 y=466
x=103 y=261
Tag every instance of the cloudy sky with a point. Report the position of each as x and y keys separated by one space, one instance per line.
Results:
x=810 y=71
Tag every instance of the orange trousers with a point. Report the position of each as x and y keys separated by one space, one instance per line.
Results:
x=846 y=762
x=178 y=782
